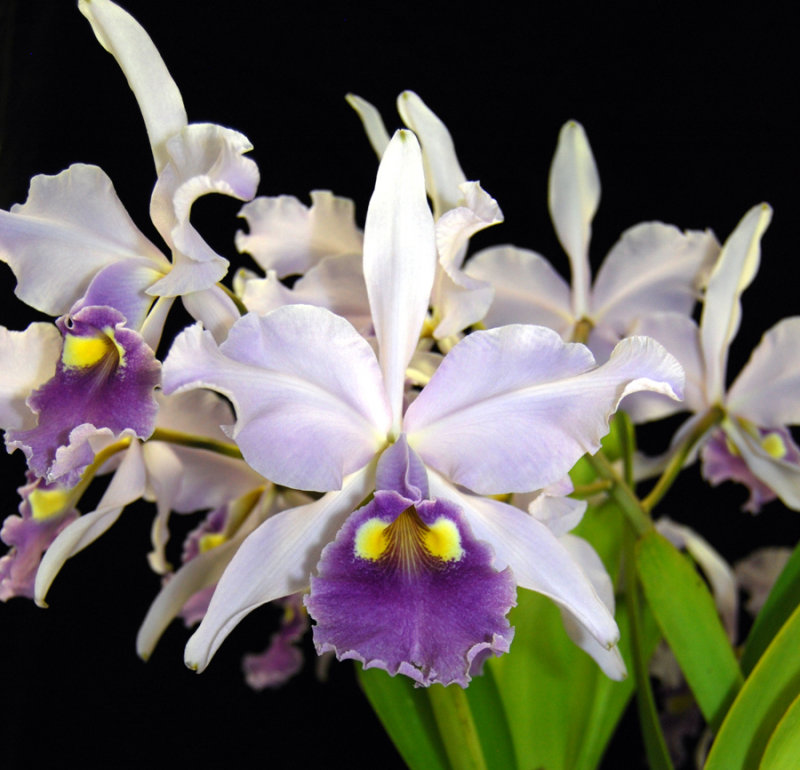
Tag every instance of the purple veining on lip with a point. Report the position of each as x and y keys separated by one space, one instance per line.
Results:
x=28 y=538
x=283 y=658
x=421 y=615
x=720 y=464
x=115 y=391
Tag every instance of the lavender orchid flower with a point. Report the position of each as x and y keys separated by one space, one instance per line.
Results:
x=511 y=409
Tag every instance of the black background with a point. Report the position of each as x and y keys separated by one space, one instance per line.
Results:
x=689 y=116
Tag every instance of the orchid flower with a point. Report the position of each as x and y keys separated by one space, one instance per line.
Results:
x=653 y=267
x=751 y=444
x=511 y=409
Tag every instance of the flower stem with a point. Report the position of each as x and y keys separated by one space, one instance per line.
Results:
x=456 y=726
x=622 y=494
x=197 y=442
x=711 y=418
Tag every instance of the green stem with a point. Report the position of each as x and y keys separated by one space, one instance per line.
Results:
x=583 y=491
x=197 y=442
x=456 y=726
x=622 y=493
x=709 y=420
x=657 y=753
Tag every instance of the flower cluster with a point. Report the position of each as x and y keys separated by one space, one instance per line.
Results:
x=382 y=444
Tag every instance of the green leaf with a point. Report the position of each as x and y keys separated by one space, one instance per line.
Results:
x=781 y=602
x=488 y=713
x=761 y=704
x=783 y=749
x=407 y=716
x=685 y=612
x=457 y=727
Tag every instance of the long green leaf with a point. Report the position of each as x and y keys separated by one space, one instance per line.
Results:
x=781 y=602
x=685 y=612
x=761 y=704
x=408 y=718
x=783 y=749
x=491 y=720
x=457 y=727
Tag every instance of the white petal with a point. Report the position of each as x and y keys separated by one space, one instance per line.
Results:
x=513 y=409
x=652 y=268
x=373 y=123
x=202 y=158
x=526 y=288
x=767 y=391
x=443 y=174
x=27 y=360
x=158 y=97
x=574 y=196
x=290 y=238
x=537 y=558
x=71 y=226
x=782 y=477
x=127 y=485
x=274 y=561
x=399 y=261
x=733 y=273
x=306 y=388
x=214 y=308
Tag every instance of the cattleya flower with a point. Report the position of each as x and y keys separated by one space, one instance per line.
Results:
x=653 y=267
x=751 y=443
x=507 y=410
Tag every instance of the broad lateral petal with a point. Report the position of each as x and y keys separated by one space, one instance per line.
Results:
x=512 y=409
x=767 y=390
x=652 y=268
x=156 y=93
x=306 y=389
x=735 y=269
x=71 y=226
x=574 y=194
x=526 y=288
x=274 y=561
x=127 y=485
x=537 y=558
x=399 y=261
x=203 y=158
x=373 y=123
x=290 y=238
x=27 y=360
x=443 y=174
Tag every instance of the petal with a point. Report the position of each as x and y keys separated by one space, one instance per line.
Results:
x=735 y=269
x=71 y=226
x=558 y=513
x=574 y=194
x=214 y=309
x=306 y=389
x=290 y=238
x=27 y=360
x=202 y=158
x=274 y=561
x=767 y=390
x=127 y=485
x=537 y=558
x=399 y=261
x=652 y=268
x=681 y=338
x=608 y=658
x=399 y=468
x=408 y=611
x=757 y=573
x=443 y=174
x=159 y=98
x=373 y=123
x=105 y=378
x=512 y=409
x=526 y=289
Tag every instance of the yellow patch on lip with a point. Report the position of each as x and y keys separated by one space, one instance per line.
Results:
x=46 y=503
x=774 y=445
x=371 y=542
x=83 y=352
x=211 y=540
x=408 y=542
